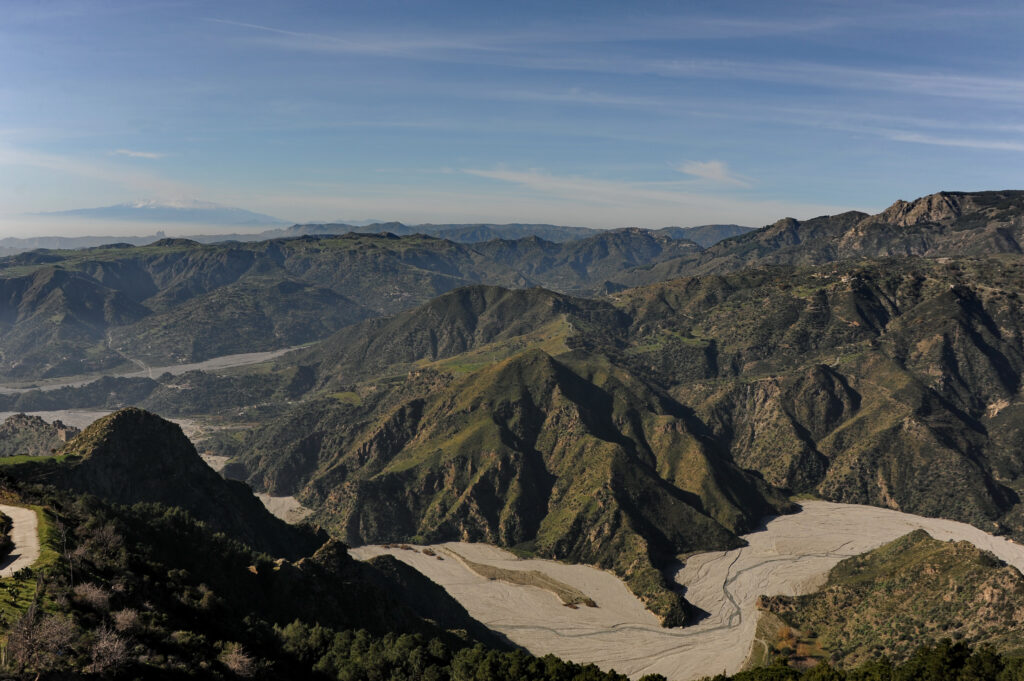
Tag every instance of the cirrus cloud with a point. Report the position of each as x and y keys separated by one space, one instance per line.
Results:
x=715 y=171
x=132 y=153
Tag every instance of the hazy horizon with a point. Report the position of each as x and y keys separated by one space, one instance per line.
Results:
x=599 y=114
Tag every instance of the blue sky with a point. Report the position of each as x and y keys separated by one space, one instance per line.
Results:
x=584 y=113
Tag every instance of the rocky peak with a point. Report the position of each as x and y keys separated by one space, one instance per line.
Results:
x=941 y=207
x=784 y=224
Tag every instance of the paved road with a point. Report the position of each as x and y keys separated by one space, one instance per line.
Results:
x=25 y=534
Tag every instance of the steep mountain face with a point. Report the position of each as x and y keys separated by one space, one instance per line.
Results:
x=957 y=590
x=483 y=323
x=255 y=314
x=49 y=315
x=24 y=435
x=572 y=458
x=588 y=264
x=67 y=312
x=134 y=456
x=880 y=384
x=568 y=459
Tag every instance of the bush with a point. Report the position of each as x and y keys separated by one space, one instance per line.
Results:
x=92 y=596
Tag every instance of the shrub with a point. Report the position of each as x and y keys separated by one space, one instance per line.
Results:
x=238 y=662
x=127 y=620
x=92 y=596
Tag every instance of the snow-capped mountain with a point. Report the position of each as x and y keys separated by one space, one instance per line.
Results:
x=184 y=210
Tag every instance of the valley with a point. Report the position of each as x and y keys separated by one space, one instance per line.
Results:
x=454 y=341
x=791 y=555
x=647 y=408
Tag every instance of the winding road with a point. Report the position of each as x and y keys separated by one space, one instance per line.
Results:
x=25 y=535
x=791 y=555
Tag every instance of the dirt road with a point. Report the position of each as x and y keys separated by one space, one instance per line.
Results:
x=25 y=535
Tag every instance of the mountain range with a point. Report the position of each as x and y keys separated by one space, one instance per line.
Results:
x=623 y=400
x=704 y=235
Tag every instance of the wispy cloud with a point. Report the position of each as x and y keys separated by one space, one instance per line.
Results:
x=132 y=153
x=715 y=171
x=127 y=178
x=967 y=143
x=576 y=95
x=646 y=197
x=940 y=84
x=382 y=45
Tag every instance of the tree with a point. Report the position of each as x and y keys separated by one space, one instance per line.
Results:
x=37 y=643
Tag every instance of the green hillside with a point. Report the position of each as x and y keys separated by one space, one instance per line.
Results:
x=911 y=592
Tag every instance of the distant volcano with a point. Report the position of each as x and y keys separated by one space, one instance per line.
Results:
x=186 y=211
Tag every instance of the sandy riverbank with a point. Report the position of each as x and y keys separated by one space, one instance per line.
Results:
x=792 y=555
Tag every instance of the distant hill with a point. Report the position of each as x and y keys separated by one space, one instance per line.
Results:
x=462 y=233
x=706 y=236
x=188 y=211
x=176 y=300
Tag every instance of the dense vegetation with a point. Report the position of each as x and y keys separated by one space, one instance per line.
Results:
x=911 y=592
x=941 y=662
x=147 y=591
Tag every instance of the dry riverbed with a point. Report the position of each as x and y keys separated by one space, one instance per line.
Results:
x=792 y=555
x=145 y=371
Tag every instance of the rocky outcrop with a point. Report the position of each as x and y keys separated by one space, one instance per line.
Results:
x=941 y=207
x=24 y=435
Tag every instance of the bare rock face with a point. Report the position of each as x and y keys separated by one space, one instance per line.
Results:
x=941 y=207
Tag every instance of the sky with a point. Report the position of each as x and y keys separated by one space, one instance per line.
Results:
x=600 y=114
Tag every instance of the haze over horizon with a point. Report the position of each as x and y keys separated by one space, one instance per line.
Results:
x=597 y=114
